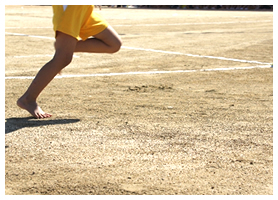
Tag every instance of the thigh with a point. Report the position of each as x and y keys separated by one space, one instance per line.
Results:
x=64 y=46
x=109 y=36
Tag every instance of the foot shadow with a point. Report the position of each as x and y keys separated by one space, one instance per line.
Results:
x=14 y=124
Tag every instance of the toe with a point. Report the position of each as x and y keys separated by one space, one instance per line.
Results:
x=37 y=116
x=47 y=115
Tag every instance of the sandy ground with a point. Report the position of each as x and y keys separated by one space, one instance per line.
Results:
x=187 y=132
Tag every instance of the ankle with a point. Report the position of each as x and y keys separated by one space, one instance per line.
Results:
x=25 y=98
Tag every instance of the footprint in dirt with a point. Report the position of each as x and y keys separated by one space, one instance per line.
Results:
x=149 y=88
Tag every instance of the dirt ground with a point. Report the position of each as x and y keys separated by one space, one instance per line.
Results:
x=201 y=131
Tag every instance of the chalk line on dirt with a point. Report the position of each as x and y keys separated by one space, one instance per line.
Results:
x=192 y=55
x=38 y=56
x=173 y=24
x=157 y=51
x=189 y=23
x=141 y=73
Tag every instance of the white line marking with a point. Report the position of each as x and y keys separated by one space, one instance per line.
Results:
x=140 y=73
x=34 y=36
x=27 y=27
x=158 y=51
x=201 y=23
x=200 y=56
x=30 y=56
x=37 y=56
x=174 y=24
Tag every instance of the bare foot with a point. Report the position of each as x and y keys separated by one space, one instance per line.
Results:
x=32 y=108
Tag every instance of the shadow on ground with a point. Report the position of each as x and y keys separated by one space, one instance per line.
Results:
x=14 y=124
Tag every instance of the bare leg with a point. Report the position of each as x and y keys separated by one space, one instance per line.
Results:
x=108 y=41
x=65 y=46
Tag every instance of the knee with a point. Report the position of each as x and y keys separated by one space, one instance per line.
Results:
x=67 y=60
x=116 y=46
x=62 y=60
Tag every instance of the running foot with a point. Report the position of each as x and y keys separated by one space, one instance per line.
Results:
x=32 y=108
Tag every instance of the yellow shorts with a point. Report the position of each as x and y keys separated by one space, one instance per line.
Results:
x=78 y=21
